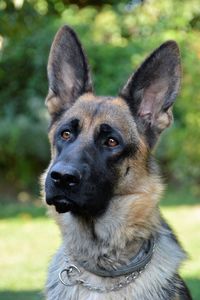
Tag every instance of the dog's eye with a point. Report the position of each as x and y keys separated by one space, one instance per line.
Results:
x=66 y=134
x=111 y=142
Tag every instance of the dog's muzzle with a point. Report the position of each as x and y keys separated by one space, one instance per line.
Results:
x=64 y=175
x=61 y=204
x=63 y=179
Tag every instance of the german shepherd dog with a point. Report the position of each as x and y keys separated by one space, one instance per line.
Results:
x=103 y=184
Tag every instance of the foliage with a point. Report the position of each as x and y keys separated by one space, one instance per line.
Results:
x=117 y=38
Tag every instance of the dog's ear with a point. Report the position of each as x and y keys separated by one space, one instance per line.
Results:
x=152 y=90
x=68 y=71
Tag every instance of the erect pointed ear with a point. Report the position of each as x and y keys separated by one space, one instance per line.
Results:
x=152 y=90
x=68 y=71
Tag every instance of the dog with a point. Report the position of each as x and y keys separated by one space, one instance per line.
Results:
x=103 y=184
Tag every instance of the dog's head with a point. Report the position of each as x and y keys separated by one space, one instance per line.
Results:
x=101 y=145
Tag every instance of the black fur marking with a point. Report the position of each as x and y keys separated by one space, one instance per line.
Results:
x=71 y=125
x=127 y=171
x=176 y=287
x=183 y=291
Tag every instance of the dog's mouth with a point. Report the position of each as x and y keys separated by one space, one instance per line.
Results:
x=61 y=203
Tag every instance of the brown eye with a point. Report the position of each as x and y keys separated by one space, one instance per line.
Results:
x=111 y=142
x=66 y=134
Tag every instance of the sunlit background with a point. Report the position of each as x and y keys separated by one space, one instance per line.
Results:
x=117 y=36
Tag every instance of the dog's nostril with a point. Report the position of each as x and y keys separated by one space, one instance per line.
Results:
x=56 y=176
x=71 y=180
x=67 y=176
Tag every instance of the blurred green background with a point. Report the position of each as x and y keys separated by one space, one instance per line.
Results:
x=117 y=36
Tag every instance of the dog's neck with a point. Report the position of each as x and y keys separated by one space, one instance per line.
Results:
x=115 y=237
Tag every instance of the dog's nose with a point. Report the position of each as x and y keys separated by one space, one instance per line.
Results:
x=65 y=175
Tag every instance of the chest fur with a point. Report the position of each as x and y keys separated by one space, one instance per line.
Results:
x=152 y=284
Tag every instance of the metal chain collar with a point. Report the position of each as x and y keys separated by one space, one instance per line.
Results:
x=72 y=273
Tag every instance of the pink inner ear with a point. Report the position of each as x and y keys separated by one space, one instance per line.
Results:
x=153 y=97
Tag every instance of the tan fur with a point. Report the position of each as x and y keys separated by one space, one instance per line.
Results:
x=87 y=97
x=53 y=103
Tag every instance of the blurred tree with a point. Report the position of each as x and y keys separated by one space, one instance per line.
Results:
x=117 y=38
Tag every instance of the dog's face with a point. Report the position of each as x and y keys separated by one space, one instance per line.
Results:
x=101 y=145
x=89 y=148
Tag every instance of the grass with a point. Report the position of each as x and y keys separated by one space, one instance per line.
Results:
x=28 y=239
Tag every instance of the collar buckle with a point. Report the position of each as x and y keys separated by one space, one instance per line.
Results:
x=70 y=273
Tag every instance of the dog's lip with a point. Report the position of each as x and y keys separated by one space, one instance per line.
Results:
x=63 y=206
x=61 y=203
